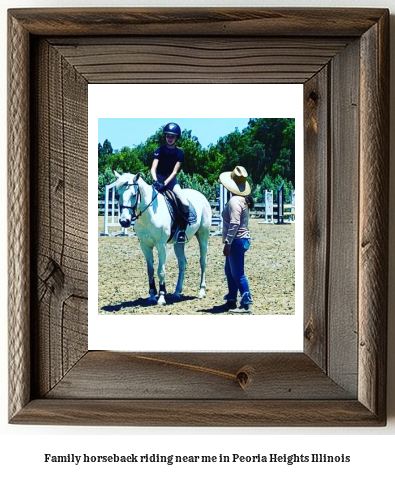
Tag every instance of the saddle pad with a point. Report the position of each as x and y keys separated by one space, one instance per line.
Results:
x=192 y=218
x=175 y=208
x=170 y=206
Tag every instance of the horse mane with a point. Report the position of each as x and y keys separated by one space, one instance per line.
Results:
x=124 y=179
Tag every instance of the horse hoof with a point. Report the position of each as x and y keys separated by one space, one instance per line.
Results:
x=152 y=300
x=202 y=294
x=161 y=300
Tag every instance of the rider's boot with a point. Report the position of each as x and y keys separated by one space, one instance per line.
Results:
x=181 y=236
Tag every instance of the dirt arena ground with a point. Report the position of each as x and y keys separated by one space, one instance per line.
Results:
x=270 y=268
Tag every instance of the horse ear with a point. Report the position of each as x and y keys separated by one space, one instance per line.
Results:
x=137 y=177
x=117 y=175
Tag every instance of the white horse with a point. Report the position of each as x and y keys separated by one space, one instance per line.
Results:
x=153 y=222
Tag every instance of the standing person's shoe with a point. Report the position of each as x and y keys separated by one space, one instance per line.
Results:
x=230 y=304
x=226 y=306
x=242 y=309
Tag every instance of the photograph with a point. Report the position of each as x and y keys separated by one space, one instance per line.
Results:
x=196 y=215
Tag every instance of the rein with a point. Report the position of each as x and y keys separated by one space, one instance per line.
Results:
x=133 y=208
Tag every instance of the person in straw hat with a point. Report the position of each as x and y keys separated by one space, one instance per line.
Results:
x=236 y=238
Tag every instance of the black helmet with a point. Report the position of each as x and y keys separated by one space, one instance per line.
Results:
x=172 y=128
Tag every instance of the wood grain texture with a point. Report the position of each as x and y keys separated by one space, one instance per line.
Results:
x=344 y=216
x=316 y=214
x=373 y=233
x=18 y=218
x=197 y=59
x=340 y=377
x=201 y=413
x=171 y=22
x=61 y=242
x=283 y=376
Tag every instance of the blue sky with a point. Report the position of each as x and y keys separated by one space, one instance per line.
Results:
x=133 y=131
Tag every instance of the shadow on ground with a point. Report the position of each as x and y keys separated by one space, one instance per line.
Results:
x=170 y=300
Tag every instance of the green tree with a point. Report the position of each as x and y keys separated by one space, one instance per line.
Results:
x=272 y=184
x=193 y=159
x=266 y=148
x=198 y=183
x=104 y=152
x=105 y=178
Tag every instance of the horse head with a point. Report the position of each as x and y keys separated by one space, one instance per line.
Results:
x=128 y=190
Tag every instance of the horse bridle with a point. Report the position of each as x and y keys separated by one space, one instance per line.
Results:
x=134 y=207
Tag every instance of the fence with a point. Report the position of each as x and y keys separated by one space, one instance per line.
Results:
x=110 y=207
x=270 y=211
x=267 y=209
x=220 y=204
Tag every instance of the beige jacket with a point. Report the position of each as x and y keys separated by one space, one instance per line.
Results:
x=235 y=219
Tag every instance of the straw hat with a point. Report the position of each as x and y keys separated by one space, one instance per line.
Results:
x=236 y=181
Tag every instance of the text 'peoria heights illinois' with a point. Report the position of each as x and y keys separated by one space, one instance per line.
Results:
x=288 y=459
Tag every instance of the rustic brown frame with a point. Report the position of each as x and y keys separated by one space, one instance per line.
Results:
x=342 y=57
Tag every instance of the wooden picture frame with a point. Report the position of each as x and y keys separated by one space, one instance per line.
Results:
x=342 y=58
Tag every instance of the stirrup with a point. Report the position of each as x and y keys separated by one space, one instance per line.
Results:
x=183 y=240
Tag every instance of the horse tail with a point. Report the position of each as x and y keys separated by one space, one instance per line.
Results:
x=170 y=253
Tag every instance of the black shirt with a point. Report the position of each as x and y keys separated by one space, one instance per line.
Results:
x=167 y=159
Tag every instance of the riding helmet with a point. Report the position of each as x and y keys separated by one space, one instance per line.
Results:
x=172 y=128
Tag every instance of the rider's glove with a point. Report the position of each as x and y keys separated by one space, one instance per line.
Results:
x=159 y=186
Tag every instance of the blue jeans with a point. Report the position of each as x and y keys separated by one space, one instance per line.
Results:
x=171 y=184
x=234 y=271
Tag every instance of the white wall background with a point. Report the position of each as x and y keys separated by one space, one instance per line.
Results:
x=23 y=447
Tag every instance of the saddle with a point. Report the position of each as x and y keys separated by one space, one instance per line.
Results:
x=174 y=206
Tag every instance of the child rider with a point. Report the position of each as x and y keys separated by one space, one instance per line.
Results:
x=168 y=159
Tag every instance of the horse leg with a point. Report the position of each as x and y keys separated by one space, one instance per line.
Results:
x=202 y=235
x=161 y=273
x=182 y=262
x=149 y=257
